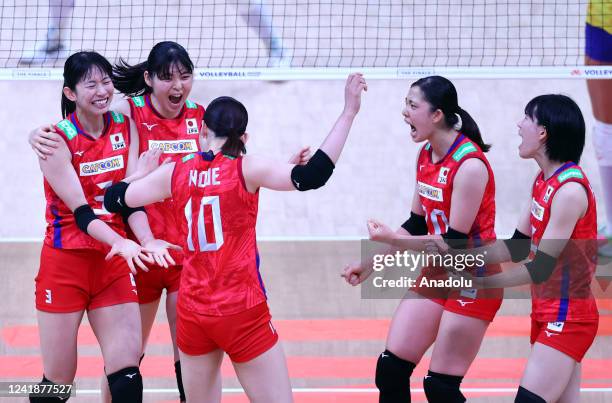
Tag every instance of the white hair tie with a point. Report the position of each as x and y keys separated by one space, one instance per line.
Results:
x=457 y=126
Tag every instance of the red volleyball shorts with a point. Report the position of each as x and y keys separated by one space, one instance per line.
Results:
x=479 y=304
x=151 y=284
x=571 y=338
x=72 y=280
x=243 y=336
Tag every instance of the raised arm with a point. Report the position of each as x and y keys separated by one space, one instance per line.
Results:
x=261 y=172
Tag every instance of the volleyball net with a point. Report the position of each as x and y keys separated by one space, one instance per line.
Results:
x=290 y=39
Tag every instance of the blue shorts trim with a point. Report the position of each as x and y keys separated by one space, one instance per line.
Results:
x=598 y=44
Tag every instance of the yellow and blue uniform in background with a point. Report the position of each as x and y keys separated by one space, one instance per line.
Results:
x=598 y=44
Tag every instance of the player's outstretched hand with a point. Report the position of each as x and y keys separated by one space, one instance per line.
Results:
x=380 y=232
x=131 y=252
x=355 y=85
x=301 y=157
x=355 y=273
x=44 y=140
x=159 y=251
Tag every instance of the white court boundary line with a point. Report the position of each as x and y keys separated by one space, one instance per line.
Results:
x=325 y=73
x=342 y=390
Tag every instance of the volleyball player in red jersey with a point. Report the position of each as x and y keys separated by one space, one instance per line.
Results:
x=158 y=91
x=97 y=147
x=222 y=302
x=454 y=198
x=558 y=234
x=166 y=120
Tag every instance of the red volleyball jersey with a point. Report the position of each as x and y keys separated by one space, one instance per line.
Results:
x=221 y=266
x=566 y=295
x=99 y=163
x=435 y=187
x=175 y=137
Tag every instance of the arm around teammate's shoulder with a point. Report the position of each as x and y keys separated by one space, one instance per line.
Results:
x=122 y=105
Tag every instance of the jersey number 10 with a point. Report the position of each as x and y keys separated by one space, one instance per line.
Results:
x=203 y=245
x=434 y=215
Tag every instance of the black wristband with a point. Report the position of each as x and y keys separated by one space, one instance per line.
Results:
x=415 y=225
x=84 y=215
x=518 y=246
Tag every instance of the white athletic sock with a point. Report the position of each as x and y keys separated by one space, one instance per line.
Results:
x=259 y=18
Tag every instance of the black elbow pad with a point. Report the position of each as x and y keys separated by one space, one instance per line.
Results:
x=415 y=225
x=455 y=239
x=541 y=267
x=314 y=174
x=114 y=197
x=518 y=246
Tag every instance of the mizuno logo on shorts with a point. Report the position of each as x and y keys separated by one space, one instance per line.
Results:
x=101 y=166
x=555 y=326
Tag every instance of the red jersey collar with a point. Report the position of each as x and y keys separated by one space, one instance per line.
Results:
x=75 y=120
x=148 y=101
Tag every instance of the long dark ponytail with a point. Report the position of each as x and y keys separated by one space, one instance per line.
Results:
x=227 y=117
x=78 y=66
x=164 y=55
x=441 y=94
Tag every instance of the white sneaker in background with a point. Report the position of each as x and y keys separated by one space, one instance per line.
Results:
x=279 y=55
x=49 y=49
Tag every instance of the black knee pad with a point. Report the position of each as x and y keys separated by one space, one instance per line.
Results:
x=442 y=388
x=179 y=380
x=54 y=399
x=393 y=378
x=126 y=385
x=525 y=396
